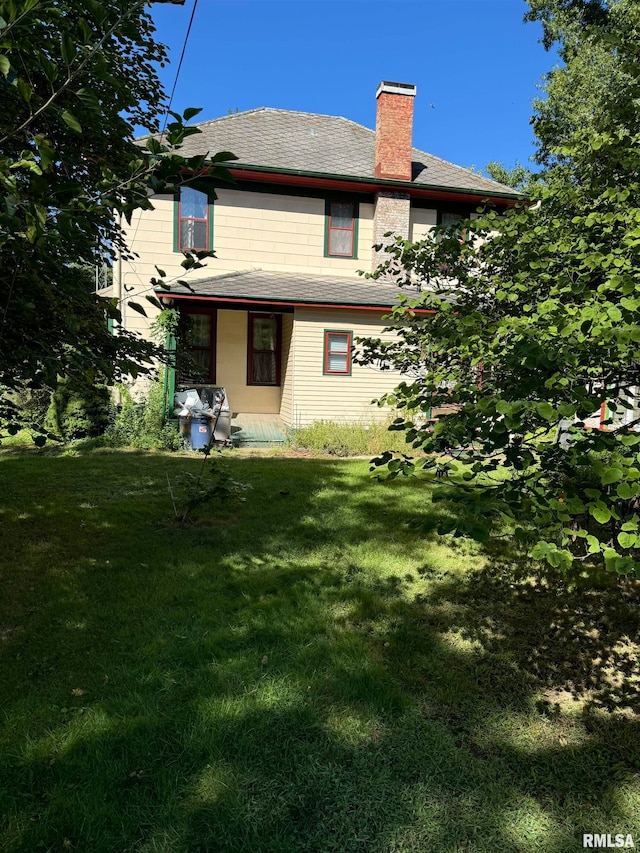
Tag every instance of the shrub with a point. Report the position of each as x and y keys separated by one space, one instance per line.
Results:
x=189 y=491
x=350 y=439
x=141 y=423
x=78 y=410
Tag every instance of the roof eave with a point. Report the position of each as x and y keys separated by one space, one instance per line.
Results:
x=329 y=180
x=284 y=303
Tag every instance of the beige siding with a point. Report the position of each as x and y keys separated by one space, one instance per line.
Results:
x=281 y=233
x=288 y=350
x=278 y=233
x=422 y=221
x=336 y=398
x=250 y=230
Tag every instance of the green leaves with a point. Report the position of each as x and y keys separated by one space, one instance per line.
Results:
x=136 y=307
x=45 y=151
x=602 y=514
x=625 y=491
x=627 y=540
x=551 y=554
x=547 y=303
x=71 y=121
x=68 y=163
x=67 y=48
x=88 y=99
x=611 y=475
x=546 y=411
x=191 y=112
x=551 y=333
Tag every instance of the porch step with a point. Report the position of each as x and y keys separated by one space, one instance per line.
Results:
x=250 y=430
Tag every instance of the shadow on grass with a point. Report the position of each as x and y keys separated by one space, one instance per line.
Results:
x=303 y=674
x=581 y=644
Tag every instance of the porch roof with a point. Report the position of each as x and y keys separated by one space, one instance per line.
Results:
x=291 y=289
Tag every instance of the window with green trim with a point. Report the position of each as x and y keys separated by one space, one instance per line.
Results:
x=193 y=222
x=337 y=352
x=341 y=227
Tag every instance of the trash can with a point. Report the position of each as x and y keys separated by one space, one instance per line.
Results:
x=208 y=401
x=200 y=432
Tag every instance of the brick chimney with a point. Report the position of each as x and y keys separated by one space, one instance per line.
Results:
x=394 y=123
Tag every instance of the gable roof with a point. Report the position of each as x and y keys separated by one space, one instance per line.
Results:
x=320 y=144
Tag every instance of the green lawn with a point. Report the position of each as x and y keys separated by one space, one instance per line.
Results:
x=299 y=673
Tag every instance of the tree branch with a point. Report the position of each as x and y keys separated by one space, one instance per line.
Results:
x=72 y=76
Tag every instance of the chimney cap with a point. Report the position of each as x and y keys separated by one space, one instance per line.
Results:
x=396 y=88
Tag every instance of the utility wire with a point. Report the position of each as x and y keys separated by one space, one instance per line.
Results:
x=164 y=127
x=175 y=82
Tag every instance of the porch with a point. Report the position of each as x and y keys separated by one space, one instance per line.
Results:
x=244 y=352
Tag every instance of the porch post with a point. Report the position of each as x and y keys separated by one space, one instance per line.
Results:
x=169 y=376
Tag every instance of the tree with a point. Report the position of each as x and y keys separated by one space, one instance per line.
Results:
x=564 y=20
x=76 y=76
x=535 y=328
x=517 y=177
x=592 y=87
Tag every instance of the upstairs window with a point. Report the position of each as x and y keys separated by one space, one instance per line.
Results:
x=341 y=237
x=337 y=352
x=194 y=222
x=265 y=349
x=449 y=220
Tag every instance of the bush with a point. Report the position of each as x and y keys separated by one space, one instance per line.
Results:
x=141 y=423
x=350 y=439
x=78 y=410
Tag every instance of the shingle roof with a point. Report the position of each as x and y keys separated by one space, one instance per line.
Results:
x=309 y=142
x=295 y=288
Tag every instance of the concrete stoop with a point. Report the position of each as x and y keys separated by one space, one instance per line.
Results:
x=250 y=430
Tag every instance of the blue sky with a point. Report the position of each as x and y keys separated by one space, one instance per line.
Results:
x=476 y=65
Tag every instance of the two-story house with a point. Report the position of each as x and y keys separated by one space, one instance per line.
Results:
x=274 y=316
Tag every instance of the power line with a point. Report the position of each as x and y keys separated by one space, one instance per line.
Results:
x=184 y=48
x=164 y=127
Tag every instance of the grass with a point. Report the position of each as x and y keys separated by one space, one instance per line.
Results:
x=300 y=673
x=349 y=439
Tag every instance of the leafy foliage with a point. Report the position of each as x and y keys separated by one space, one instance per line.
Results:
x=563 y=19
x=141 y=423
x=75 y=78
x=535 y=328
x=212 y=482
x=78 y=410
x=517 y=177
